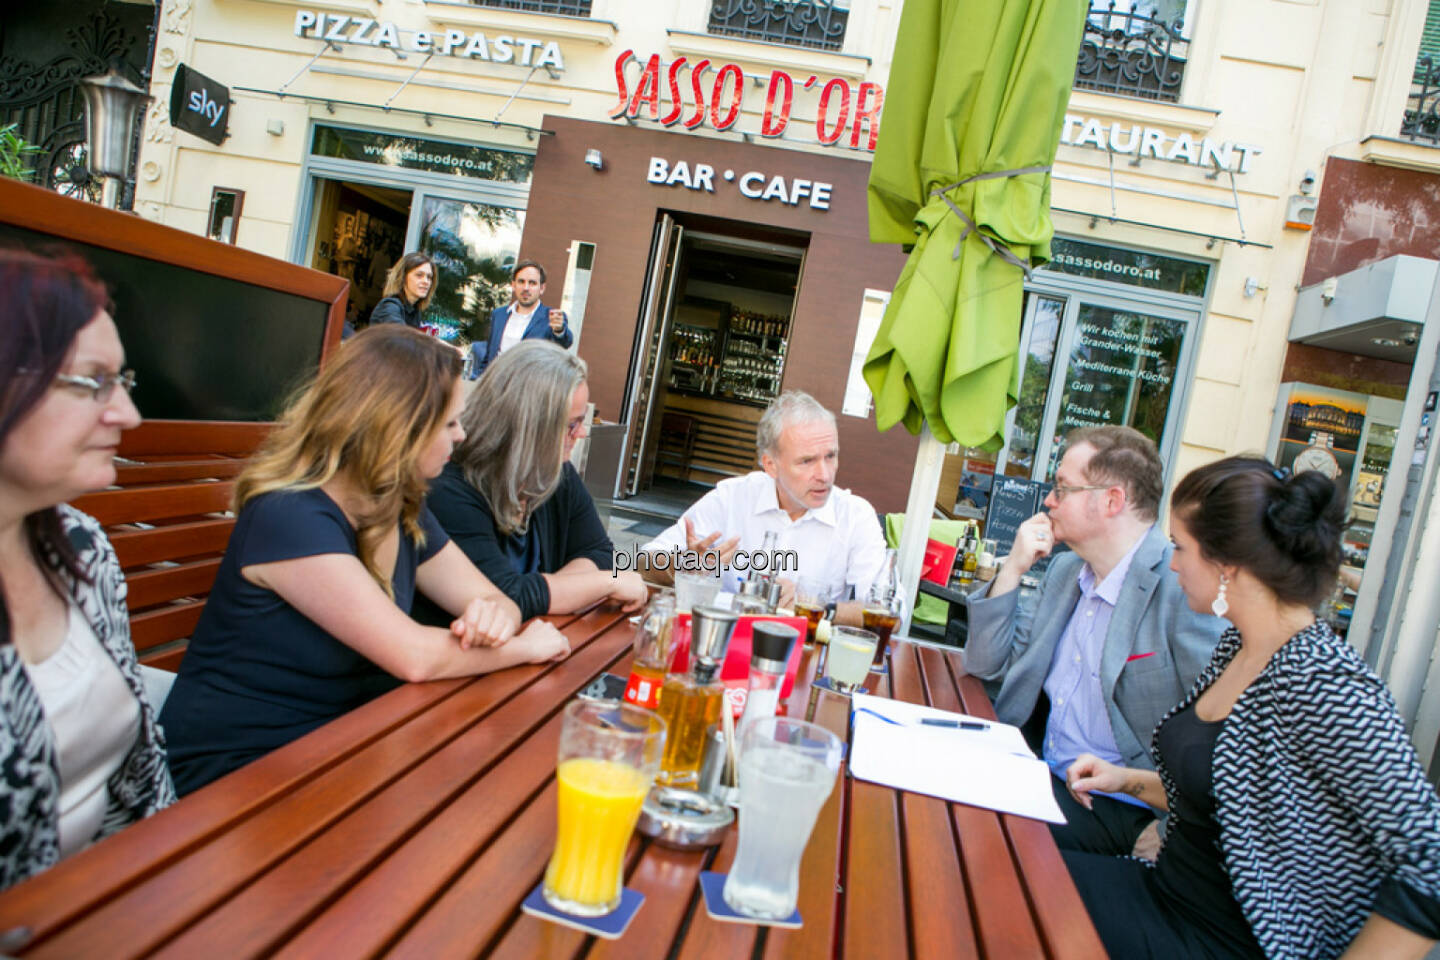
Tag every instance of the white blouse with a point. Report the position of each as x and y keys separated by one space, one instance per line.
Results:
x=94 y=719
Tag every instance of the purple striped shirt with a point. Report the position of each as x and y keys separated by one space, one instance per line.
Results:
x=1079 y=722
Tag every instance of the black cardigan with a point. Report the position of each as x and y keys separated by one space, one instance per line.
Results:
x=566 y=526
x=396 y=310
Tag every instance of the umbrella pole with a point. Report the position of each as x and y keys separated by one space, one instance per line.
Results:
x=919 y=509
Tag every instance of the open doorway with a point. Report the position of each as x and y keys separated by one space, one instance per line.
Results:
x=359 y=233
x=710 y=354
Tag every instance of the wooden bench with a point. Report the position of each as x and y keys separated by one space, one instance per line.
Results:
x=169 y=519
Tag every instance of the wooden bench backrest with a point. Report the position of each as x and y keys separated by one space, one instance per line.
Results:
x=169 y=520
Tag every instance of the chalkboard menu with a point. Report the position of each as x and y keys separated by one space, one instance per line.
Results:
x=1013 y=500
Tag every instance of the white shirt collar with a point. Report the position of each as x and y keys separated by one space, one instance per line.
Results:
x=768 y=500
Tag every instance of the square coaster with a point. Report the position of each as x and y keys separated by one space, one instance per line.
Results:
x=713 y=886
x=609 y=926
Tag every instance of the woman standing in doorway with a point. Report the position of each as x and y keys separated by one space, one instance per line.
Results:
x=408 y=286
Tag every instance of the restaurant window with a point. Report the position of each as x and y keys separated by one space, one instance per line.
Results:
x=225 y=207
x=817 y=24
x=1108 y=337
x=1135 y=48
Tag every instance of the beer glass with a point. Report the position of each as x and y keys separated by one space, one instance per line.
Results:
x=881 y=614
x=609 y=755
x=811 y=596
x=787 y=770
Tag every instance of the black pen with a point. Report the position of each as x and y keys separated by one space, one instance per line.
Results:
x=961 y=724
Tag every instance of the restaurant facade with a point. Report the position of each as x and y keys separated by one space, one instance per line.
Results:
x=693 y=178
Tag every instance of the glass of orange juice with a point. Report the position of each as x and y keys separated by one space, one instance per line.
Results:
x=609 y=755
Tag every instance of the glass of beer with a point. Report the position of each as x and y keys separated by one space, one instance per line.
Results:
x=881 y=614
x=609 y=755
x=810 y=600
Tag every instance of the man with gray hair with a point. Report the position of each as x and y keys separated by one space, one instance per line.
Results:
x=834 y=534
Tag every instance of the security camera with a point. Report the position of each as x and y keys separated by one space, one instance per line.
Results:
x=1307 y=183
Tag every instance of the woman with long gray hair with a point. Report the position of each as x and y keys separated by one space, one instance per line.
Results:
x=511 y=499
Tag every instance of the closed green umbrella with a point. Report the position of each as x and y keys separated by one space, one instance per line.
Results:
x=973 y=111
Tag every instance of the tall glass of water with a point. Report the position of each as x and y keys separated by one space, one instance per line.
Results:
x=787 y=770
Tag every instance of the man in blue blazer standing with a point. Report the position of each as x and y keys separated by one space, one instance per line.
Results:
x=525 y=317
x=1109 y=643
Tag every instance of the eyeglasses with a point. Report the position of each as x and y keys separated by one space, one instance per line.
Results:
x=102 y=387
x=1062 y=491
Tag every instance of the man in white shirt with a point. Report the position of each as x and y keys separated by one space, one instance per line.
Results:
x=524 y=317
x=834 y=534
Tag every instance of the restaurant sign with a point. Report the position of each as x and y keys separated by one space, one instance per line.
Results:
x=1137 y=141
x=1136 y=268
x=681 y=93
x=341 y=28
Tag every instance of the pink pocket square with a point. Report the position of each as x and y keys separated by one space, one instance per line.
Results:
x=1139 y=656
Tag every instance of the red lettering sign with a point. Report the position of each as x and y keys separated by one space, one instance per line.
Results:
x=721 y=102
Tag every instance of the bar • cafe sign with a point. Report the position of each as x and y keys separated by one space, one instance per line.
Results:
x=502 y=48
x=681 y=93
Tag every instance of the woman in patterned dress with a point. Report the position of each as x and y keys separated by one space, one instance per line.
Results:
x=1300 y=824
x=80 y=751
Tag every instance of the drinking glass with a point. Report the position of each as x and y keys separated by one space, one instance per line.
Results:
x=787 y=770
x=881 y=614
x=851 y=650
x=811 y=596
x=695 y=589
x=609 y=755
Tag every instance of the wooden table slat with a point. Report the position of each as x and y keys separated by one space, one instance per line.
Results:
x=484 y=899
x=940 y=920
x=998 y=903
x=705 y=937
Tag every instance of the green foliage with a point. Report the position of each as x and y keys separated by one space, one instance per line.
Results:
x=13 y=151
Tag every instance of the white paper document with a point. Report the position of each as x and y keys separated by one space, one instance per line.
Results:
x=991 y=768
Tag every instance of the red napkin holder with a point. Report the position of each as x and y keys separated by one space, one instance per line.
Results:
x=939 y=561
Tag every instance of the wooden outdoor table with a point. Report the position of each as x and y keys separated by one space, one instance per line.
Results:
x=414 y=826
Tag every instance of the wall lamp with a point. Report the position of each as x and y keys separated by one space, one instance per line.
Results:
x=592 y=157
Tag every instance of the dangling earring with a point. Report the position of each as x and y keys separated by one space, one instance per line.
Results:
x=1220 y=606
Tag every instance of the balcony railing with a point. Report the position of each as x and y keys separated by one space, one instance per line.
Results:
x=1422 y=123
x=1130 y=54
x=817 y=24
x=572 y=8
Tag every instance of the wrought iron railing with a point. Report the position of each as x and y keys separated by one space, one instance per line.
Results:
x=818 y=24
x=1131 y=54
x=1422 y=122
x=572 y=8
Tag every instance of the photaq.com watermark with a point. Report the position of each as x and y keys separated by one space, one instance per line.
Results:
x=706 y=561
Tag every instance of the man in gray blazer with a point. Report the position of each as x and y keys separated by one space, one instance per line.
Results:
x=1107 y=645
